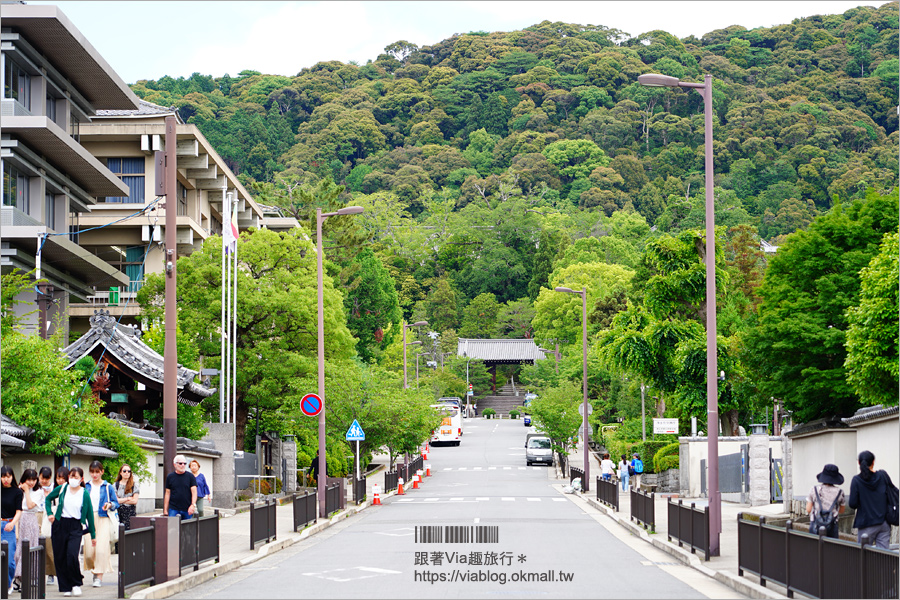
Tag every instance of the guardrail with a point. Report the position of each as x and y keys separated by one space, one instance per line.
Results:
x=137 y=556
x=359 y=490
x=333 y=498
x=262 y=523
x=390 y=480
x=689 y=525
x=815 y=565
x=576 y=473
x=33 y=580
x=643 y=509
x=198 y=541
x=608 y=493
x=305 y=509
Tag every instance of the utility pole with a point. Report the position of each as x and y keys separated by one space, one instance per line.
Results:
x=170 y=354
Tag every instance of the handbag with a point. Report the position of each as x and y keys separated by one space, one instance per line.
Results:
x=892 y=516
x=113 y=522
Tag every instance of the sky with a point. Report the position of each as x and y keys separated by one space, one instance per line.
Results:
x=147 y=40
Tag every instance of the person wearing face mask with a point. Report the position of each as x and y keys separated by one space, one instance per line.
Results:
x=45 y=479
x=72 y=513
x=103 y=497
x=11 y=513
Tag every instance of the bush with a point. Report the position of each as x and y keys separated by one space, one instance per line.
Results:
x=264 y=486
x=666 y=452
x=514 y=414
x=647 y=450
x=488 y=413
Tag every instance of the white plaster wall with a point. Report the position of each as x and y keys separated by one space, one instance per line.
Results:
x=882 y=439
x=812 y=452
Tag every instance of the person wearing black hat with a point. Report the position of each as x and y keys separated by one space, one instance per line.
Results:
x=826 y=501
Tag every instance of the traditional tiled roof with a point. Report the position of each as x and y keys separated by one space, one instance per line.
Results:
x=124 y=343
x=146 y=109
x=499 y=350
x=832 y=423
x=872 y=413
x=148 y=437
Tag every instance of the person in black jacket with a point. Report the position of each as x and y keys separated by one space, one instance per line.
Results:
x=868 y=495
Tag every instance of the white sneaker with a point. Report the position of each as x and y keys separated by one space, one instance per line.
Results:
x=97 y=582
x=76 y=591
x=50 y=579
x=67 y=594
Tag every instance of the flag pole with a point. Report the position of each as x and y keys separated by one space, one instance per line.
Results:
x=234 y=316
x=223 y=377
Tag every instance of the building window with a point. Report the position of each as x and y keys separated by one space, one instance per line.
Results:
x=75 y=127
x=51 y=108
x=16 y=188
x=74 y=227
x=134 y=267
x=50 y=210
x=17 y=84
x=130 y=171
x=182 y=201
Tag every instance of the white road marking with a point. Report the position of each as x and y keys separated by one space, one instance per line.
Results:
x=397 y=532
x=492 y=468
x=507 y=468
x=476 y=468
x=362 y=573
x=477 y=520
x=405 y=500
x=521 y=468
x=534 y=499
x=559 y=499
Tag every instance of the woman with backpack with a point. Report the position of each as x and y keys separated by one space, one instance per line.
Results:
x=826 y=501
x=637 y=465
x=869 y=496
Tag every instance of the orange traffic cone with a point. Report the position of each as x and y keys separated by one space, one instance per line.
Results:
x=376 y=499
x=425 y=452
x=421 y=473
x=415 y=479
x=427 y=469
x=400 y=491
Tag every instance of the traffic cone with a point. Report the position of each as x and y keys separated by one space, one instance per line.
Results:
x=427 y=469
x=421 y=474
x=376 y=499
x=415 y=479
x=400 y=491
x=425 y=453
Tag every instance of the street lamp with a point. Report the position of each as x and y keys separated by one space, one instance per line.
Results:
x=712 y=387
x=555 y=354
x=587 y=465
x=416 y=343
x=323 y=473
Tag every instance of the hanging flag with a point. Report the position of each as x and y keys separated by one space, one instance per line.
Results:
x=229 y=227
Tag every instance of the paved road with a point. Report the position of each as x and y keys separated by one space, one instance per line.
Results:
x=548 y=544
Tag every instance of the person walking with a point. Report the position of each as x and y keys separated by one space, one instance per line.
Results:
x=607 y=468
x=868 y=495
x=29 y=525
x=637 y=465
x=72 y=512
x=623 y=472
x=10 y=513
x=103 y=496
x=181 y=491
x=45 y=479
x=204 y=494
x=314 y=471
x=128 y=492
x=826 y=501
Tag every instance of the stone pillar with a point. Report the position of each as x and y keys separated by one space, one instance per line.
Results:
x=787 y=467
x=759 y=469
x=289 y=477
x=222 y=436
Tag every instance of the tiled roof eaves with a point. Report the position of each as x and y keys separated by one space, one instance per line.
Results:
x=872 y=415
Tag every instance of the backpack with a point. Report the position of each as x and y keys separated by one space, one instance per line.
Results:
x=638 y=466
x=893 y=499
x=823 y=518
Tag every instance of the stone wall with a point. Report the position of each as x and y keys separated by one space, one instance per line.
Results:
x=222 y=436
x=759 y=469
x=667 y=482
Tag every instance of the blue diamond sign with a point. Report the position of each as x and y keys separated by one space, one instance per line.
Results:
x=355 y=433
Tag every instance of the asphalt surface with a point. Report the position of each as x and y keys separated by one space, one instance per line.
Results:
x=526 y=539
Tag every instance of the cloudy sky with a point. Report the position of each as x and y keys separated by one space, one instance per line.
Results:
x=147 y=40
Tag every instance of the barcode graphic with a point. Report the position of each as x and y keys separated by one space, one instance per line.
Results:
x=457 y=534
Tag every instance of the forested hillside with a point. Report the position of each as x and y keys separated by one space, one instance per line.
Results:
x=494 y=165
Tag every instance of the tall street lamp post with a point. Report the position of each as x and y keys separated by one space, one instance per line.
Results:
x=416 y=343
x=712 y=387
x=323 y=473
x=584 y=435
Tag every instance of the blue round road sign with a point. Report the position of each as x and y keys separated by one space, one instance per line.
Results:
x=311 y=405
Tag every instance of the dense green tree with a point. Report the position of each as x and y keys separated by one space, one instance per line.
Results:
x=370 y=299
x=480 y=317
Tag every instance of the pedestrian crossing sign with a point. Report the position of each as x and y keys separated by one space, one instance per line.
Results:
x=355 y=433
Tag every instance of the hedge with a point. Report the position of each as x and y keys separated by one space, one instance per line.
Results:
x=647 y=450
x=668 y=451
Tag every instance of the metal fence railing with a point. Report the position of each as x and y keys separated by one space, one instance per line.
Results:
x=390 y=480
x=689 y=525
x=359 y=490
x=33 y=580
x=137 y=556
x=815 y=565
x=576 y=473
x=4 y=570
x=333 y=497
x=198 y=541
x=262 y=522
x=608 y=493
x=643 y=509
x=305 y=509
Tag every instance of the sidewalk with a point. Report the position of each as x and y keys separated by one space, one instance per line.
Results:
x=234 y=549
x=723 y=568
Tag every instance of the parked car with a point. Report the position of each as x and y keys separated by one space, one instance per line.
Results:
x=527 y=420
x=538 y=449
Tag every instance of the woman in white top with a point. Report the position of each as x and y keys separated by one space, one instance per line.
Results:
x=73 y=510
x=623 y=473
x=29 y=527
x=607 y=468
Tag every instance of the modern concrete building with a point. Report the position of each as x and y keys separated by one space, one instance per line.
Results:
x=54 y=82
x=131 y=238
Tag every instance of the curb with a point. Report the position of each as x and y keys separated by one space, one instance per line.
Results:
x=195 y=578
x=738 y=584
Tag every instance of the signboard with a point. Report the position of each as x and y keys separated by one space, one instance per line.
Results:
x=470 y=393
x=665 y=425
x=310 y=405
x=581 y=409
x=355 y=433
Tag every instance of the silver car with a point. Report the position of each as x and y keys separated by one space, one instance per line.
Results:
x=538 y=450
